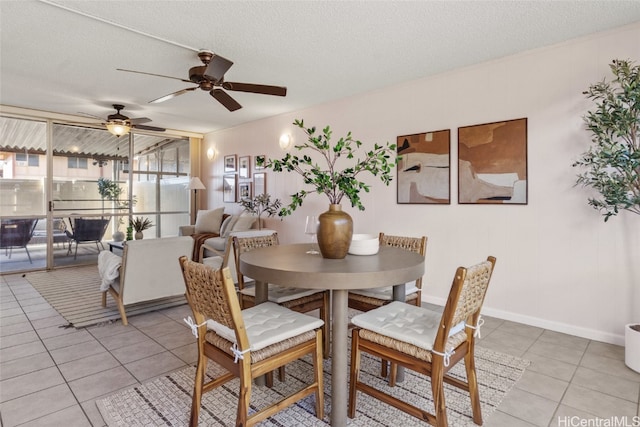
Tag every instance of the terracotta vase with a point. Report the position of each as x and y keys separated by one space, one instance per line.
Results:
x=334 y=232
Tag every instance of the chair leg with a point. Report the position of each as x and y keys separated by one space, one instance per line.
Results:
x=244 y=396
x=28 y=255
x=384 y=368
x=318 y=378
x=197 y=389
x=393 y=374
x=437 y=389
x=355 y=372
x=472 y=380
x=75 y=255
x=326 y=328
x=104 y=298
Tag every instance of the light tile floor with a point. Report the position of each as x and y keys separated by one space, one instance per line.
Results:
x=51 y=376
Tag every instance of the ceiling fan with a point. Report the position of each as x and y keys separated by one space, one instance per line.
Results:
x=210 y=77
x=119 y=124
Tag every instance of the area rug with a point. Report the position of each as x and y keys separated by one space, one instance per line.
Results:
x=167 y=400
x=75 y=294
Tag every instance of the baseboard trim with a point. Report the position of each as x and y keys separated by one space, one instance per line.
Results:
x=565 y=328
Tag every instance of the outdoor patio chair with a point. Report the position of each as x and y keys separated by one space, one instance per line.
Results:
x=247 y=343
x=86 y=230
x=16 y=233
x=427 y=342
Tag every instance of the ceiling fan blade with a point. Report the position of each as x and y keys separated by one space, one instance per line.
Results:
x=145 y=127
x=91 y=115
x=139 y=120
x=255 y=88
x=225 y=99
x=217 y=67
x=157 y=75
x=172 y=95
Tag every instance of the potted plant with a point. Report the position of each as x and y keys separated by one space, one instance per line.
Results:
x=260 y=205
x=335 y=226
x=612 y=162
x=110 y=190
x=140 y=224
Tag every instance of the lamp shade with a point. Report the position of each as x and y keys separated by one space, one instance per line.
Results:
x=196 y=184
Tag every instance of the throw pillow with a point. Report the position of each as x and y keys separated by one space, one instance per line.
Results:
x=227 y=225
x=209 y=221
x=244 y=223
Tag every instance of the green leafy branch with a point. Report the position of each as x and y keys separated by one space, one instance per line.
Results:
x=613 y=160
x=335 y=184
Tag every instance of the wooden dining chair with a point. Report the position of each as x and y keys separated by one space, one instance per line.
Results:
x=297 y=299
x=427 y=342
x=368 y=299
x=247 y=343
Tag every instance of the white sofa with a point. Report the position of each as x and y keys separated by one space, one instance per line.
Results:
x=149 y=270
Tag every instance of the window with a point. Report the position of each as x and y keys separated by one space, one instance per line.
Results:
x=23 y=159
x=77 y=162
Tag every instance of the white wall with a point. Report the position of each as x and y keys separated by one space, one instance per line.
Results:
x=559 y=265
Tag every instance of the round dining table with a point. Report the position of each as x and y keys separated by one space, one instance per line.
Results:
x=290 y=265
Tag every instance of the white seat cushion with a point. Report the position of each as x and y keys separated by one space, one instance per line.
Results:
x=385 y=293
x=268 y=324
x=404 y=322
x=280 y=294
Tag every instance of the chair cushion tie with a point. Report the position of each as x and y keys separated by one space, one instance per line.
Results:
x=237 y=353
x=194 y=328
x=476 y=328
x=447 y=355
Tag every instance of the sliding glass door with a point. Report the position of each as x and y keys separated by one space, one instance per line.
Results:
x=66 y=190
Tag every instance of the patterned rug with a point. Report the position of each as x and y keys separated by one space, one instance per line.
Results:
x=75 y=294
x=167 y=400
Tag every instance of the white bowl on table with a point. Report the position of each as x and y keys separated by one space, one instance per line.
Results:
x=364 y=244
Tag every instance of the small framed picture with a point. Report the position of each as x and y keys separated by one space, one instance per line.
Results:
x=261 y=159
x=244 y=190
x=244 y=167
x=229 y=188
x=230 y=163
x=259 y=183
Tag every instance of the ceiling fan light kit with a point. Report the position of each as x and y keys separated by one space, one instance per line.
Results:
x=210 y=78
x=118 y=128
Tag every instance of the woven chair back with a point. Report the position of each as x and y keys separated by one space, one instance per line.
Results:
x=412 y=244
x=473 y=291
x=209 y=292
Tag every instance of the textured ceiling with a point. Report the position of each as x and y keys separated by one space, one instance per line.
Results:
x=62 y=56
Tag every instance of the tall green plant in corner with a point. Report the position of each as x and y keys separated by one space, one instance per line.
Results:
x=612 y=162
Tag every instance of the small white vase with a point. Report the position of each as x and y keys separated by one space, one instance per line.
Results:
x=118 y=236
x=632 y=347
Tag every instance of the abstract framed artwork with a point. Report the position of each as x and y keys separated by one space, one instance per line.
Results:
x=229 y=188
x=244 y=190
x=230 y=163
x=492 y=163
x=259 y=183
x=424 y=169
x=244 y=167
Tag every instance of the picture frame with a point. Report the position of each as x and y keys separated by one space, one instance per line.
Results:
x=244 y=167
x=229 y=184
x=256 y=166
x=492 y=163
x=424 y=170
x=230 y=163
x=244 y=190
x=259 y=183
